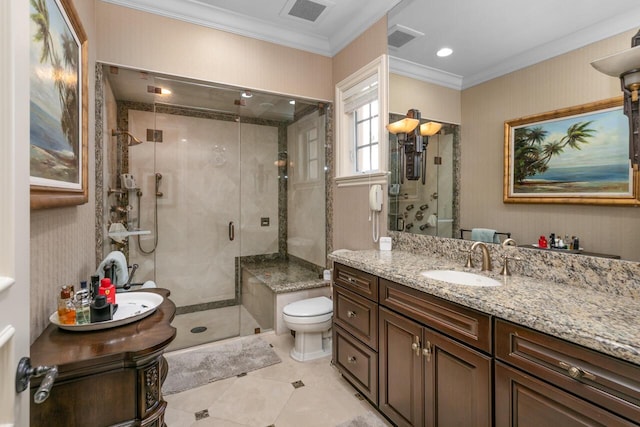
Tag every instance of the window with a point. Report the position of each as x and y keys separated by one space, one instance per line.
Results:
x=366 y=137
x=360 y=133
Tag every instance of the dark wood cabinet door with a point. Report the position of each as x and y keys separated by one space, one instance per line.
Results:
x=458 y=383
x=524 y=401
x=401 y=392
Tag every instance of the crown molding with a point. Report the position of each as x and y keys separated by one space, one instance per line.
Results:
x=195 y=12
x=424 y=73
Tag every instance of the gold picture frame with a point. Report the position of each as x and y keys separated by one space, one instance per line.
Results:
x=576 y=155
x=58 y=106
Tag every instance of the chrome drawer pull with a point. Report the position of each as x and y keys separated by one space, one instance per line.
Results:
x=351 y=359
x=577 y=373
x=351 y=314
x=351 y=280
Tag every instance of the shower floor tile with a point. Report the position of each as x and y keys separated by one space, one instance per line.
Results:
x=266 y=397
x=221 y=323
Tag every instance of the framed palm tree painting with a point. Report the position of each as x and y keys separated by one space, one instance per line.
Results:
x=58 y=105
x=574 y=155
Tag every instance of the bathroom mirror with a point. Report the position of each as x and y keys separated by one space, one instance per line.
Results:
x=602 y=230
x=429 y=208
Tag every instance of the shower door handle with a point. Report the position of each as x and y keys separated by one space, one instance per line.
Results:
x=232 y=231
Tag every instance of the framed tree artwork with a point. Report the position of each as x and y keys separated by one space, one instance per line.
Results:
x=58 y=105
x=574 y=155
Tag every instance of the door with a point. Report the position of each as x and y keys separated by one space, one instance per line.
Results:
x=14 y=209
x=401 y=375
x=457 y=383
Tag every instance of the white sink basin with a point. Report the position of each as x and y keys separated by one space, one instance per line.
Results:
x=460 y=278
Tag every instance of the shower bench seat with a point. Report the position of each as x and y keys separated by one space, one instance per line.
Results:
x=267 y=286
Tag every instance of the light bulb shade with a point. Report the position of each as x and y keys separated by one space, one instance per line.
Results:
x=617 y=64
x=430 y=128
x=403 y=126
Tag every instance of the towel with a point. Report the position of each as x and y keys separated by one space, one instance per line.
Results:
x=122 y=271
x=484 y=235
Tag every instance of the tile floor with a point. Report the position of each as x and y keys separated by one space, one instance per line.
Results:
x=267 y=397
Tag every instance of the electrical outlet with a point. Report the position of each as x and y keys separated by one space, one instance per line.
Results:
x=264 y=222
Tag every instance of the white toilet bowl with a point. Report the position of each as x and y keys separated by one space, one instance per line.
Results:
x=311 y=320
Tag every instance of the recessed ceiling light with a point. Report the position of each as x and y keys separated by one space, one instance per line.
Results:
x=445 y=51
x=247 y=94
x=292 y=102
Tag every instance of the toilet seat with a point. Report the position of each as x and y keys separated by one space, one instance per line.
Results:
x=311 y=307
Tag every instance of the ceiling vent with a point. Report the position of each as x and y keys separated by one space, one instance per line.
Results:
x=306 y=10
x=399 y=35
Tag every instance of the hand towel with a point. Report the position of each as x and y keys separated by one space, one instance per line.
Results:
x=484 y=235
x=122 y=271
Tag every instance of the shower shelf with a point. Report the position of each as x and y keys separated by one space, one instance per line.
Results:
x=128 y=233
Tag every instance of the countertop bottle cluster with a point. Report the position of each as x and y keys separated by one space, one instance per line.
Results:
x=89 y=305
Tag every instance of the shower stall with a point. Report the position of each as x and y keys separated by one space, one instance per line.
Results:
x=222 y=176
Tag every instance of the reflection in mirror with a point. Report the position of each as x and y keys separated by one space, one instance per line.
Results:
x=429 y=208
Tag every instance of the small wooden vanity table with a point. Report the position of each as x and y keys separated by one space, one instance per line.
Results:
x=106 y=377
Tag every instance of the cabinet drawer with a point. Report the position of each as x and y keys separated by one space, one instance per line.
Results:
x=462 y=323
x=356 y=362
x=522 y=400
x=608 y=382
x=357 y=281
x=356 y=315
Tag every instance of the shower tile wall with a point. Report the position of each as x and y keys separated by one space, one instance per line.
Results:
x=202 y=184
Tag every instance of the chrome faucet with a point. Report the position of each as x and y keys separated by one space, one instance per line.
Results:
x=486 y=258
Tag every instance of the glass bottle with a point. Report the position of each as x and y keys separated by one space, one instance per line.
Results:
x=66 y=308
x=83 y=303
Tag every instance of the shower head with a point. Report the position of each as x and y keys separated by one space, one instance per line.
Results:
x=132 y=139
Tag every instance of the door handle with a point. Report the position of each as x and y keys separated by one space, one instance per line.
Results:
x=232 y=231
x=24 y=373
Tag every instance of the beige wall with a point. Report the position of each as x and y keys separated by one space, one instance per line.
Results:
x=564 y=81
x=150 y=42
x=63 y=239
x=351 y=228
x=434 y=102
x=364 y=49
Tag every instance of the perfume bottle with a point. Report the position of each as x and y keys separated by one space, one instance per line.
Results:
x=82 y=303
x=66 y=308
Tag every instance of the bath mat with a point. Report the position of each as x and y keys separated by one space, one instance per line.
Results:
x=367 y=420
x=195 y=367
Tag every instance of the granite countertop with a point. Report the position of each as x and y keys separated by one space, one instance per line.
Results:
x=601 y=321
x=283 y=276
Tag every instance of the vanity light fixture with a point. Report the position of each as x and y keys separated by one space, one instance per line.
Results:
x=626 y=66
x=247 y=94
x=413 y=139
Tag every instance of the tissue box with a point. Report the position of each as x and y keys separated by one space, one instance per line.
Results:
x=385 y=243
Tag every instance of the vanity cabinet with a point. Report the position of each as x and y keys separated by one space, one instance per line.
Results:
x=355 y=328
x=545 y=381
x=426 y=377
x=106 y=377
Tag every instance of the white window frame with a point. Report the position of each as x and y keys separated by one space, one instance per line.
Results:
x=345 y=154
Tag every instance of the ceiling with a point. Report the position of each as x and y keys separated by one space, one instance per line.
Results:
x=489 y=38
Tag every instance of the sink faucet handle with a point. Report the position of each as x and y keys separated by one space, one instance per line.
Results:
x=505 y=266
x=469 y=263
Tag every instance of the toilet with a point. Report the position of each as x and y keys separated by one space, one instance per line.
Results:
x=311 y=320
